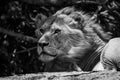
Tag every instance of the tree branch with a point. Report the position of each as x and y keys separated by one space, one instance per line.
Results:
x=18 y=35
x=26 y=50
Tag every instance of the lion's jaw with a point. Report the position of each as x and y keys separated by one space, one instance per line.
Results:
x=49 y=53
x=45 y=55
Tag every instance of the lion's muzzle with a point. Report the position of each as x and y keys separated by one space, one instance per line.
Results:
x=46 y=54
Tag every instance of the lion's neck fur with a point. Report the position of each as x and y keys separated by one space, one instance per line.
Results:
x=88 y=26
x=95 y=40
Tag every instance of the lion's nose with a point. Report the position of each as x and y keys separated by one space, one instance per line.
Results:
x=43 y=42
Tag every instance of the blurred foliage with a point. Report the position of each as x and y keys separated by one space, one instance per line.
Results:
x=20 y=57
x=109 y=17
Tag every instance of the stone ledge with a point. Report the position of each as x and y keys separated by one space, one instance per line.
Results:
x=105 y=75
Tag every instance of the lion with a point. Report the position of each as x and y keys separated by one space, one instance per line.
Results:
x=72 y=40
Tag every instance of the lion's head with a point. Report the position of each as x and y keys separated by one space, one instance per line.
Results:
x=61 y=36
x=68 y=35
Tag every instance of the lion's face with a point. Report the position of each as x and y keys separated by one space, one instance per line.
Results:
x=60 y=38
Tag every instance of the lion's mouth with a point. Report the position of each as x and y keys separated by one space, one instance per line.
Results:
x=44 y=56
x=50 y=54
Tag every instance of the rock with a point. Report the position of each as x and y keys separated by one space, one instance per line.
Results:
x=103 y=75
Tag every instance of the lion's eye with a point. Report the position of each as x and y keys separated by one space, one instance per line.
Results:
x=42 y=31
x=57 y=31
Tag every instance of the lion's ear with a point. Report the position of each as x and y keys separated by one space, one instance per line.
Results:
x=39 y=20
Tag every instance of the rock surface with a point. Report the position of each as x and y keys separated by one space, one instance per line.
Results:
x=105 y=75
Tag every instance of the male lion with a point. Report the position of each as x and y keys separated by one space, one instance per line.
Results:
x=71 y=40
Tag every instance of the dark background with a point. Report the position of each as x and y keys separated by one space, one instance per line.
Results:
x=18 y=56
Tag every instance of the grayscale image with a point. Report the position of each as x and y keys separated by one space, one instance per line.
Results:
x=59 y=40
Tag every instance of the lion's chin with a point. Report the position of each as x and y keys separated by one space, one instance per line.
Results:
x=46 y=55
x=46 y=58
